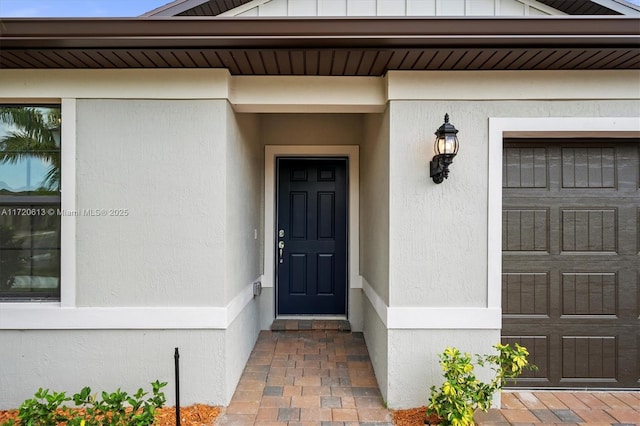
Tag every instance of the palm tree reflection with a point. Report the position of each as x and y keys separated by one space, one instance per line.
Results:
x=29 y=243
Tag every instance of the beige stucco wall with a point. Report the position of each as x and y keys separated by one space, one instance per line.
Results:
x=374 y=202
x=438 y=233
x=163 y=161
x=68 y=360
x=243 y=238
x=243 y=181
x=374 y=237
x=311 y=129
x=414 y=365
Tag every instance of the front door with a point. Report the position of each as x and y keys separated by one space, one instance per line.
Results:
x=311 y=238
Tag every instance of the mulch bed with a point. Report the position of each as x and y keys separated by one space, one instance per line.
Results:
x=194 y=415
x=205 y=415
x=412 y=417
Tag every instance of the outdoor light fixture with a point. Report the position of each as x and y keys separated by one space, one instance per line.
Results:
x=446 y=147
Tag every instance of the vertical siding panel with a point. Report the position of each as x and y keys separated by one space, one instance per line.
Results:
x=421 y=7
x=481 y=8
x=361 y=7
x=451 y=8
x=273 y=8
x=303 y=7
x=392 y=7
x=511 y=8
x=332 y=7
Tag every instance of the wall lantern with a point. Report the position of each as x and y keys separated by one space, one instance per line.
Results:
x=446 y=147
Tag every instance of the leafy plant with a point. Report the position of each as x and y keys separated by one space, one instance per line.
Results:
x=462 y=393
x=112 y=409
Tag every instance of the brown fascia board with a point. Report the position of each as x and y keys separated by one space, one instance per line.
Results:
x=194 y=32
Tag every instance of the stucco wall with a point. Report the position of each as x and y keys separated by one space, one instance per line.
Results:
x=376 y=336
x=374 y=203
x=243 y=237
x=414 y=365
x=243 y=232
x=438 y=233
x=68 y=360
x=163 y=161
x=311 y=129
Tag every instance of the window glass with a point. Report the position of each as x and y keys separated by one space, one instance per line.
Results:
x=29 y=202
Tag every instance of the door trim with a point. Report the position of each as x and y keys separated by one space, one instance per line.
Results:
x=561 y=127
x=352 y=153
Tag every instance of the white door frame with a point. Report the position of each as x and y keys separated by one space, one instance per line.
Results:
x=352 y=153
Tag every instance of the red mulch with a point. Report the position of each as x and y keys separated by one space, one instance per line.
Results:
x=194 y=415
x=205 y=415
x=412 y=417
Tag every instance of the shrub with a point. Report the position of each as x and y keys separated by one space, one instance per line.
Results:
x=462 y=393
x=112 y=409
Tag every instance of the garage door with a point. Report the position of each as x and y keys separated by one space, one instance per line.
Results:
x=571 y=261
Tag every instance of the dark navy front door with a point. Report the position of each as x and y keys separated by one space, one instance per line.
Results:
x=311 y=238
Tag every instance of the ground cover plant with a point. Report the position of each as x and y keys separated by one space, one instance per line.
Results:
x=118 y=408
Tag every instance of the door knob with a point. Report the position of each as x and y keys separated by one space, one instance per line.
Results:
x=281 y=247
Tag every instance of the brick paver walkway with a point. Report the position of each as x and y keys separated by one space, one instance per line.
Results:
x=307 y=377
x=316 y=373
x=575 y=408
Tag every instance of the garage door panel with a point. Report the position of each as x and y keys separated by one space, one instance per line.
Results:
x=584 y=167
x=525 y=294
x=525 y=230
x=589 y=294
x=589 y=357
x=589 y=230
x=538 y=347
x=571 y=261
x=525 y=167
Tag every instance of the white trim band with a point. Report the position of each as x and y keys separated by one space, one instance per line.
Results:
x=51 y=316
x=430 y=318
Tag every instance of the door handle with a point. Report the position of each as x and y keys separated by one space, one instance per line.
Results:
x=281 y=250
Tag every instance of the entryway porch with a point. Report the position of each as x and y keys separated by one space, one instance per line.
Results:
x=323 y=376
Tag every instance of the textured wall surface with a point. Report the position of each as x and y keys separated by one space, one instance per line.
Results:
x=311 y=129
x=243 y=243
x=414 y=365
x=377 y=340
x=374 y=204
x=164 y=161
x=68 y=360
x=438 y=233
x=244 y=174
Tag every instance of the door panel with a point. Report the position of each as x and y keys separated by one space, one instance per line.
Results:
x=311 y=240
x=571 y=270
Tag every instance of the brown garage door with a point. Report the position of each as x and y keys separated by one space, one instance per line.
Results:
x=571 y=261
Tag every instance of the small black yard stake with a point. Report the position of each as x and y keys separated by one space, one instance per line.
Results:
x=176 y=358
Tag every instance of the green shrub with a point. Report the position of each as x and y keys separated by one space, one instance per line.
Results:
x=462 y=393
x=112 y=409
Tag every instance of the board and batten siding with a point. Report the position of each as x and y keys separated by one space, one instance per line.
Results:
x=392 y=8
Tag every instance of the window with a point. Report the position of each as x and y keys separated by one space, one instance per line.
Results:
x=29 y=202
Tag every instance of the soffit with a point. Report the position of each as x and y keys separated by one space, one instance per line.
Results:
x=579 y=7
x=323 y=46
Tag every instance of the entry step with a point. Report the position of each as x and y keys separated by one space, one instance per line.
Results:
x=315 y=324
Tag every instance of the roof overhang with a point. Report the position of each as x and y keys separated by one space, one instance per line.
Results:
x=217 y=7
x=323 y=46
